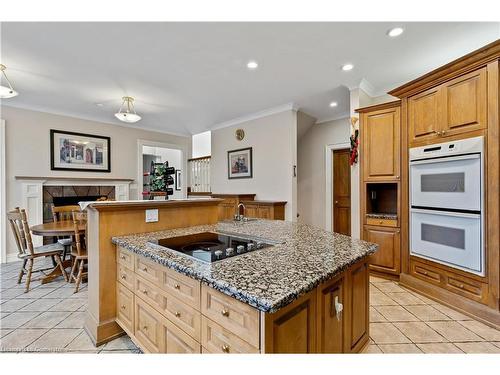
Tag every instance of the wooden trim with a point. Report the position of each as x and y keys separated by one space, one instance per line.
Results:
x=264 y=203
x=404 y=218
x=464 y=64
x=72 y=178
x=139 y=205
x=200 y=158
x=378 y=107
x=200 y=193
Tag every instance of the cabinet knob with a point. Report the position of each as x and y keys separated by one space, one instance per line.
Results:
x=381 y=222
x=145 y=269
x=461 y=286
x=397 y=177
x=145 y=291
x=443 y=132
x=177 y=286
x=122 y=257
x=438 y=132
x=225 y=348
x=336 y=202
x=225 y=312
x=124 y=277
x=177 y=314
x=122 y=307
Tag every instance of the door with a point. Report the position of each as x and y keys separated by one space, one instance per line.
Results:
x=381 y=144
x=330 y=317
x=341 y=192
x=387 y=258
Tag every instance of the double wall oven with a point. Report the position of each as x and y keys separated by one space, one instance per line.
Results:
x=446 y=204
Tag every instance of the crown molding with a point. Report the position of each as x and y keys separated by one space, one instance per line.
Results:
x=341 y=116
x=368 y=88
x=94 y=119
x=256 y=115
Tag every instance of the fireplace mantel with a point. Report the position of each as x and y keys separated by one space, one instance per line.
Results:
x=49 y=178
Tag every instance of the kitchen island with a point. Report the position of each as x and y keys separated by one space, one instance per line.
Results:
x=307 y=293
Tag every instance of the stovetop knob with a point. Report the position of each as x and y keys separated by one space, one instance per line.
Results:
x=240 y=249
x=250 y=246
x=218 y=253
x=229 y=251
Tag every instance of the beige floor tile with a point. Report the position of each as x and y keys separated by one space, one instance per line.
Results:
x=17 y=319
x=380 y=299
x=82 y=294
x=419 y=332
x=69 y=304
x=480 y=329
x=15 y=304
x=19 y=339
x=390 y=287
x=375 y=316
x=426 y=313
x=121 y=343
x=375 y=280
x=421 y=297
x=386 y=333
x=400 y=348
x=478 y=347
x=42 y=304
x=396 y=314
x=439 y=348
x=83 y=308
x=82 y=343
x=54 y=340
x=453 y=314
x=75 y=320
x=48 y=319
x=372 y=349
x=453 y=331
x=405 y=298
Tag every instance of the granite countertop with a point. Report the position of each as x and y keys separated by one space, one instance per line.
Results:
x=376 y=215
x=267 y=279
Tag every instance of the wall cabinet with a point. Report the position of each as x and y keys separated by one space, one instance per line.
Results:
x=387 y=258
x=271 y=210
x=454 y=107
x=229 y=206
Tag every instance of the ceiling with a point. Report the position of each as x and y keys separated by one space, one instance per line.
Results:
x=191 y=77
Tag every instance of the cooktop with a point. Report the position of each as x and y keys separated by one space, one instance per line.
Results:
x=209 y=246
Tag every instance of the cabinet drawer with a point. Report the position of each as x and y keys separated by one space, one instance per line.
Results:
x=219 y=340
x=148 y=327
x=125 y=307
x=148 y=292
x=148 y=270
x=468 y=288
x=184 y=316
x=125 y=257
x=176 y=341
x=236 y=316
x=426 y=272
x=182 y=287
x=382 y=222
x=125 y=276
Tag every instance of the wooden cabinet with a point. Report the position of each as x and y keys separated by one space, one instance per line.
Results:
x=330 y=330
x=229 y=206
x=125 y=307
x=380 y=131
x=176 y=341
x=271 y=210
x=148 y=327
x=217 y=339
x=387 y=258
x=454 y=107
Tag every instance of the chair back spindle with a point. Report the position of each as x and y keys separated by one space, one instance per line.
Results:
x=79 y=218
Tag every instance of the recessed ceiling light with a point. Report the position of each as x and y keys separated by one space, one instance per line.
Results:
x=396 y=31
x=333 y=104
x=252 y=65
x=347 y=67
x=99 y=104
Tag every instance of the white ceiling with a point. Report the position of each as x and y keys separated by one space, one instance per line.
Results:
x=190 y=77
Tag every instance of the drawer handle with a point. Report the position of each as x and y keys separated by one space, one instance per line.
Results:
x=145 y=291
x=145 y=328
x=381 y=222
x=225 y=348
x=122 y=257
x=425 y=273
x=177 y=314
x=124 y=277
x=145 y=269
x=177 y=286
x=225 y=312
x=123 y=307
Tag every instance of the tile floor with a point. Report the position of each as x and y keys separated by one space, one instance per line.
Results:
x=49 y=318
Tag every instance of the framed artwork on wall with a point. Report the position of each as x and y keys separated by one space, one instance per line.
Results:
x=79 y=152
x=239 y=163
x=178 y=177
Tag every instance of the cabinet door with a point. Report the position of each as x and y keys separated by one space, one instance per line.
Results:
x=125 y=307
x=148 y=327
x=387 y=257
x=464 y=103
x=265 y=212
x=252 y=211
x=330 y=317
x=177 y=341
x=356 y=312
x=381 y=144
x=424 y=120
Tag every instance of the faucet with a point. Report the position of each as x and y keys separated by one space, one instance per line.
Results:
x=239 y=217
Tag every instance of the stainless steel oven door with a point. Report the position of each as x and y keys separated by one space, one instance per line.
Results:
x=450 y=238
x=447 y=183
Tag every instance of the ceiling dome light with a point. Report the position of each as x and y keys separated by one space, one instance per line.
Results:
x=333 y=104
x=347 y=67
x=6 y=92
x=252 y=65
x=396 y=31
x=129 y=115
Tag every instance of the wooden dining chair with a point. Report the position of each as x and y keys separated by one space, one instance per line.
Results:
x=79 y=251
x=61 y=213
x=18 y=220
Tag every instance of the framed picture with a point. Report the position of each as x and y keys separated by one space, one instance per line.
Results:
x=178 y=181
x=79 y=152
x=239 y=163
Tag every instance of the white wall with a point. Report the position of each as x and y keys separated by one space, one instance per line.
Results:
x=311 y=179
x=202 y=144
x=28 y=152
x=273 y=139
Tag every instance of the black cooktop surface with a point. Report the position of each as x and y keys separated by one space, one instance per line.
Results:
x=209 y=246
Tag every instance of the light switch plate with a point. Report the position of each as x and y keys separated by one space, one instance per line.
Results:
x=152 y=216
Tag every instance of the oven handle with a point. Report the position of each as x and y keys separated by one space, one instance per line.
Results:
x=445 y=159
x=445 y=213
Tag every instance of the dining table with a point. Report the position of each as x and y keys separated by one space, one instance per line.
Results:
x=63 y=228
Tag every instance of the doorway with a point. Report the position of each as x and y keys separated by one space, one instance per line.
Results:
x=341 y=192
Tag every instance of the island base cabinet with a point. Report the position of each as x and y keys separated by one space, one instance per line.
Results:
x=330 y=312
x=356 y=308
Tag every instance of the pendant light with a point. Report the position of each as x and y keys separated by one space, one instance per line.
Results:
x=6 y=92
x=127 y=112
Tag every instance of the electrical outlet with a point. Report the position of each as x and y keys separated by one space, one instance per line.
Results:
x=152 y=216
